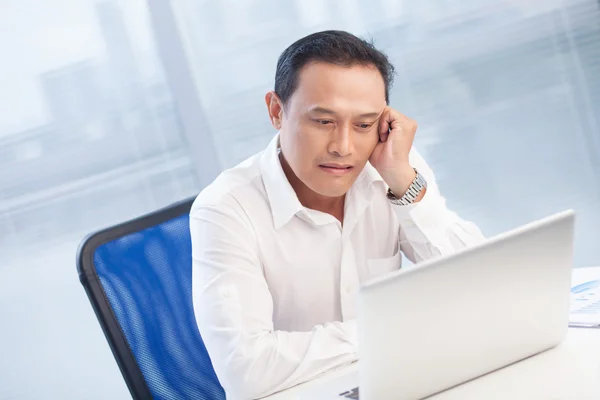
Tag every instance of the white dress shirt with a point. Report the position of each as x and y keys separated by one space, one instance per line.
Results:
x=274 y=283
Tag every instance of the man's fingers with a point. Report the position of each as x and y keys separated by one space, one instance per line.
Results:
x=392 y=121
x=385 y=124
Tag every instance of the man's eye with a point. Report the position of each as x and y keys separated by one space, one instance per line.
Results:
x=323 y=121
x=364 y=126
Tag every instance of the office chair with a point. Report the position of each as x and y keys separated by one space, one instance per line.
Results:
x=138 y=278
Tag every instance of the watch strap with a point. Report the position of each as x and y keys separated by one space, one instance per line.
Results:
x=411 y=194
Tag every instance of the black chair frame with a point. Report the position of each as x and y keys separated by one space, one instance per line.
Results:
x=89 y=279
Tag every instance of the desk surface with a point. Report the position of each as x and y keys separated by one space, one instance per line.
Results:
x=569 y=371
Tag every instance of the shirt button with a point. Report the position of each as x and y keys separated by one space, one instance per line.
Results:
x=348 y=289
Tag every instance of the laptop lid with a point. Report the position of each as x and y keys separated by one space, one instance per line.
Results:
x=445 y=321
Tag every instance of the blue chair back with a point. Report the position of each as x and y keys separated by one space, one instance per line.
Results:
x=137 y=276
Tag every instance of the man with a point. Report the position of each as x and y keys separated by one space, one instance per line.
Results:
x=282 y=242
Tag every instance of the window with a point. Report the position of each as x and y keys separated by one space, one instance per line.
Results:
x=505 y=93
x=28 y=150
x=89 y=136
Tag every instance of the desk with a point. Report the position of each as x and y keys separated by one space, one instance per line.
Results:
x=569 y=371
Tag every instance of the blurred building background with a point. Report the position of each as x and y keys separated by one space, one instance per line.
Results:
x=113 y=108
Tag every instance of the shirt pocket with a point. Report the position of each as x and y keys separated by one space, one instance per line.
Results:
x=381 y=266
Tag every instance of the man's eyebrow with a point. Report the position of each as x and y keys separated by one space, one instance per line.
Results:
x=323 y=110
x=370 y=115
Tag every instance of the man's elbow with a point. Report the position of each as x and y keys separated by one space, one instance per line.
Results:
x=255 y=374
x=248 y=384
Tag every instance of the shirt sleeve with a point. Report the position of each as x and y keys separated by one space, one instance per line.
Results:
x=234 y=308
x=428 y=228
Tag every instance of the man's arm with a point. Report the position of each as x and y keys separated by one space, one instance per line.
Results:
x=234 y=308
x=427 y=227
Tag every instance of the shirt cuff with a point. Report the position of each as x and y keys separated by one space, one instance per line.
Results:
x=351 y=328
x=428 y=215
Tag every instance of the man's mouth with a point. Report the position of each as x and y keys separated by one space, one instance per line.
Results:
x=336 y=169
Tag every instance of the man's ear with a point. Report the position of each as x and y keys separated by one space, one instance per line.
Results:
x=275 y=108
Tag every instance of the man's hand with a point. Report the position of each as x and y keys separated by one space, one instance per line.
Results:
x=390 y=157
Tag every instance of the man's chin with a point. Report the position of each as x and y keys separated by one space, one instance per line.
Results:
x=334 y=189
x=334 y=194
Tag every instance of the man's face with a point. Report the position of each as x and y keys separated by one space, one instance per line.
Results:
x=329 y=125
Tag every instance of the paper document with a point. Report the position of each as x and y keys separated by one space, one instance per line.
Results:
x=585 y=298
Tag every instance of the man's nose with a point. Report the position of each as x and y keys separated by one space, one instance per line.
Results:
x=340 y=143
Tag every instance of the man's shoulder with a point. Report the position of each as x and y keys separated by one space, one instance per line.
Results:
x=233 y=187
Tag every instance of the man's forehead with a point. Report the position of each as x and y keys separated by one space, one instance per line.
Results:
x=320 y=73
x=327 y=87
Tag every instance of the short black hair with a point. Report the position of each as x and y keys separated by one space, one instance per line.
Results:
x=334 y=47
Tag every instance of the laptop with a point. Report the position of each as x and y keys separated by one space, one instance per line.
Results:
x=448 y=320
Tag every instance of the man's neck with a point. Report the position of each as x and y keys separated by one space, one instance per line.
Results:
x=311 y=199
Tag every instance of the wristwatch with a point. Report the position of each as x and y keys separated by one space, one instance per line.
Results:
x=413 y=191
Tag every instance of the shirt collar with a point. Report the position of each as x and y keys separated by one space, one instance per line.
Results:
x=282 y=197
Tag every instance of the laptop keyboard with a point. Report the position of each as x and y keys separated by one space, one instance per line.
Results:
x=350 y=394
